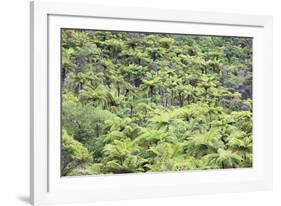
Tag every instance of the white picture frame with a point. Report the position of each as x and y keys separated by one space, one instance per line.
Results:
x=47 y=186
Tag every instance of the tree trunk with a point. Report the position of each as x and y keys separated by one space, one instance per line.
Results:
x=97 y=130
x=118 y=91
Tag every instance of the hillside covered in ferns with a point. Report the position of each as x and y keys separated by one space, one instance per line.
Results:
x=146 y=102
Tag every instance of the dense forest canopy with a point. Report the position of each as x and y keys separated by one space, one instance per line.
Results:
x=146 y=102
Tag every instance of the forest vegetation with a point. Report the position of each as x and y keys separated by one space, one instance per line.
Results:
x=147 y=102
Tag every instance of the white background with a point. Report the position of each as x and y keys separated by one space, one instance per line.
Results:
x=14 y=100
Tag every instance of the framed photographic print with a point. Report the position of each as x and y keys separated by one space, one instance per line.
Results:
x=137 y=103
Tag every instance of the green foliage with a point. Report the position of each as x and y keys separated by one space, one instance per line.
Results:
x=123 y=156
x=142 y=102
x=73 y=152
x=221 y=159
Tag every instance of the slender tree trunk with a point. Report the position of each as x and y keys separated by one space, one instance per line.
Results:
x=131 y=110
x=97 y=130
x=181 y=100
x=172 y=102
x=118 y=91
